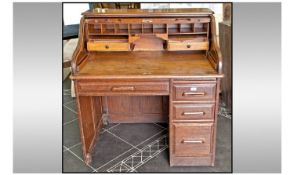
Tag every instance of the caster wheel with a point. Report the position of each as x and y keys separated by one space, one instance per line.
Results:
x=105 y=122
x=88 y=159
x=105 y=119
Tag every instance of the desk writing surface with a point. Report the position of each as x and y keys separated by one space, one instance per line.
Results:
x=142 y=63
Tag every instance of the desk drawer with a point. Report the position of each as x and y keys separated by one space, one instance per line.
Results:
x=193 y=112
x=194 y=92
x=192 y=139
x=174 y=46
x=130 y=88
x=108 y=46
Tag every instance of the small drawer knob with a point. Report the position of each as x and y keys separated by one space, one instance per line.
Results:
x=106 y=47
x=188 y=46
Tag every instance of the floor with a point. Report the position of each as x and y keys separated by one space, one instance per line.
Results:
x=125 y=148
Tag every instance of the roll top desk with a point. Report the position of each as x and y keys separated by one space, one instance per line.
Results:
x=146 y=66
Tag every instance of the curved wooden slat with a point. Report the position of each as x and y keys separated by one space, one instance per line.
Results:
x=214 y=56
x=80 y=52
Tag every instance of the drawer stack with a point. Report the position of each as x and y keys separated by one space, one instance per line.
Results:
x=192 y=123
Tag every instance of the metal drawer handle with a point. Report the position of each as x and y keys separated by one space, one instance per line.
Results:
x=146 y=21
x=193 y=141
x=188 y=19
x=123 y=88
x=194 y=93
x=193 y=113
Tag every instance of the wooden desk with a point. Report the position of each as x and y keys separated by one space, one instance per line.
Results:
x=134 y=66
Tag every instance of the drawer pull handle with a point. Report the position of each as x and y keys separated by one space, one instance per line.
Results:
x=193 y=141
x=146 y=21
x=106 y=47
x=124 y=88
x=187 y=19
x=193 y=113
x=188 y=46
x=194 y=93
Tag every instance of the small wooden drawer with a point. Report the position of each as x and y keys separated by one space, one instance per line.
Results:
x=192 y=139
x=108 y=46
x=174 y=46
x=193 y=112
x=194 y=92
x=121 y=88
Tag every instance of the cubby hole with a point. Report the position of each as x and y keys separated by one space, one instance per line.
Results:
x=188 y=37
x=108 y=28
x=147 y=28
x=109 y=38
x=174 y=28
x=159 y=28
x=188 y=28
x=135 y=28
x=121 y=28
x=94 y=29
x=201 y=28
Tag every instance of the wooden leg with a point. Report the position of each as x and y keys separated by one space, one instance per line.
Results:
x=89 y=118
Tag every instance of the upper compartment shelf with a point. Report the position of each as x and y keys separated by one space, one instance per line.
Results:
x=129 y=26
x=140 y=34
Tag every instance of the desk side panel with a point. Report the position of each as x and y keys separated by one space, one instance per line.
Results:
x=90 y=115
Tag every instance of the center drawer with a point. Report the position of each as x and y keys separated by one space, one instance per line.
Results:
x=192 y=139
x=124 y=87
x=194 y=92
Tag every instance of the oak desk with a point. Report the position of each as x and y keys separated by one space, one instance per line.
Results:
x=140 y=66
